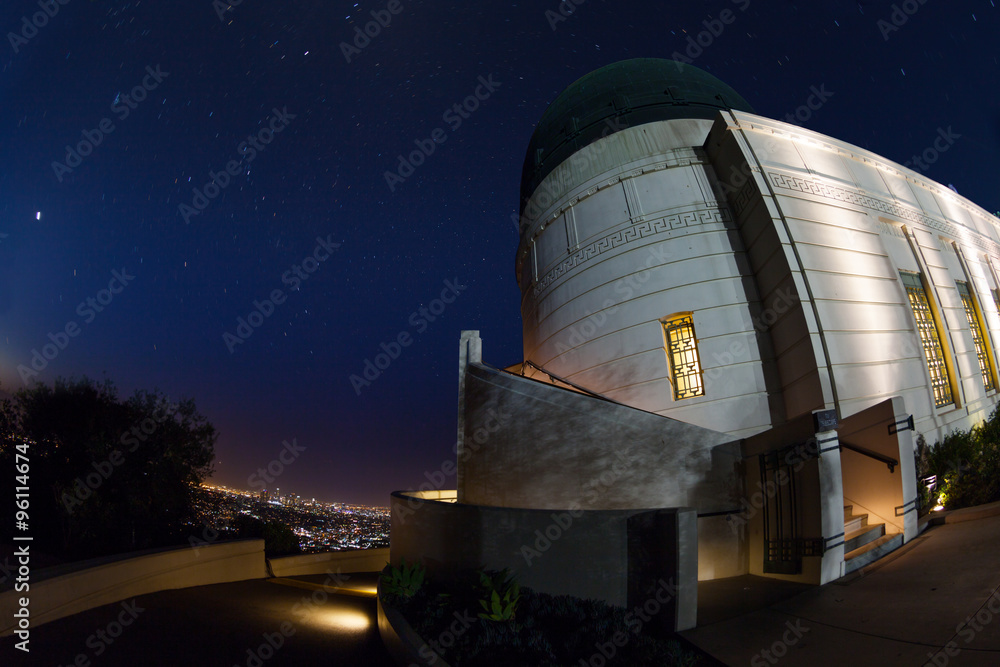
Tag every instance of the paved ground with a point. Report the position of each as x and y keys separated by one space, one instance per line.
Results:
x=222 y=625
x=935 y=601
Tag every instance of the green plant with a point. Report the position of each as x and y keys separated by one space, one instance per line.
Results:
x=501 y=595
x=404 y=581
x=966 y=465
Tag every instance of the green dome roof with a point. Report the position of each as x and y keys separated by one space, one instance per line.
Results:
x=618 y=96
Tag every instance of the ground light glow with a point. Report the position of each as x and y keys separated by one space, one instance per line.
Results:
x=345 y=619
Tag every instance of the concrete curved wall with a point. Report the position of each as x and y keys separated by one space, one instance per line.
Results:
x=105 y=581
x=633 y=232
x=356 y=560
x=624 y=557
x=530 y=444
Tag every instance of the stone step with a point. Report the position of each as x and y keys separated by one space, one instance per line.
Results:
x=855 y=522
x=871 y=552
x=862 y=536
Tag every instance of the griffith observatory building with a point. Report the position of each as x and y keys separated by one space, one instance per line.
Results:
x=735 y=329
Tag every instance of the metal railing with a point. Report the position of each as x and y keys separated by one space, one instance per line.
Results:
x=888 y=460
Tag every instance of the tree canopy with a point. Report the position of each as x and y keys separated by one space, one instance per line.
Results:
x=106 y=475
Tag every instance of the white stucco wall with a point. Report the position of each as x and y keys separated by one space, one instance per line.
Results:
x=629 y=231
x=849 y=220
x=785 y=244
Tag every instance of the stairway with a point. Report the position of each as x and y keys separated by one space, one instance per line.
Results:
x=864 y=543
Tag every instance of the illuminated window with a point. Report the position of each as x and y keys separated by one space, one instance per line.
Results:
x=996 y=299
x=682 y=352
x=929 y=338
x=978 y=339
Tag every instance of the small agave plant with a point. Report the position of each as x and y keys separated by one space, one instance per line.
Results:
x=404 y=581
x=502 y=595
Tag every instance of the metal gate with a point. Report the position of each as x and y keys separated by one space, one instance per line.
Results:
x=784 y=547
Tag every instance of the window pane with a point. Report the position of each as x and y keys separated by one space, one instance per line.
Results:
x=682 y=350
x=929 y=340
x=977 y=335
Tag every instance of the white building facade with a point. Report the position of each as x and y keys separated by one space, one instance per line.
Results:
x=735 y=329
x=798 y=272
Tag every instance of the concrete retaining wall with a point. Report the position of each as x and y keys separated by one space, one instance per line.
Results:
x=624 y=557
x=358 y=560
x=108 y=582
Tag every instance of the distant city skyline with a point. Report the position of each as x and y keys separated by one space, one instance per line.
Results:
x=255 y=175
x=210 y=485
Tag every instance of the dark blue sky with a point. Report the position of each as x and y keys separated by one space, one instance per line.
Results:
x=320 y=174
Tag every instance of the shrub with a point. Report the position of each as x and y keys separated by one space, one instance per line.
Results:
x=403 y=582
x=279 y=538
x=500 y=595
x=967 y=465
x=550 y=630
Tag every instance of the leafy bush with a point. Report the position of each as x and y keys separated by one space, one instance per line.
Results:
x=966 y=463
x=100 y=483
x=550 y=630
x=403 y=582
x=501 y=595
x=279 y=538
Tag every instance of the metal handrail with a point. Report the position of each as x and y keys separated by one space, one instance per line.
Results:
x=888 y=460
x=553 y=376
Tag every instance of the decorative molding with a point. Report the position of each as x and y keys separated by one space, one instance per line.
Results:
x=864 y=200
x=747 y=194
x=626 y=235
x=692 y=157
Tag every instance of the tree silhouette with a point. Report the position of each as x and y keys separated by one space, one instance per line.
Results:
x=106 y=475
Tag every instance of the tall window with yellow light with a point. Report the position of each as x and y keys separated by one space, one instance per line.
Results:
x=682 y=356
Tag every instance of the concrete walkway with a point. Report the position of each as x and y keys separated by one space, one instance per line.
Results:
x=298 y=621
x=934 y=601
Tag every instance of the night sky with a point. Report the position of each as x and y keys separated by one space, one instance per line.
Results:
x=299 y=131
